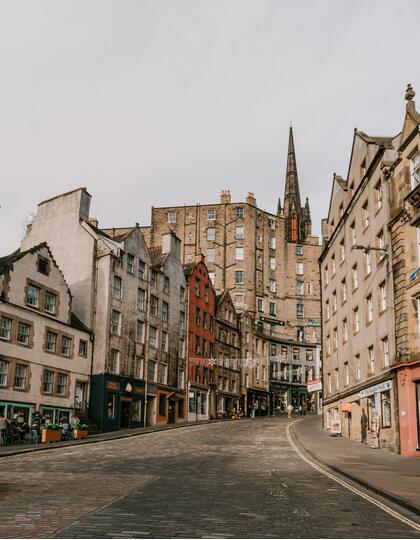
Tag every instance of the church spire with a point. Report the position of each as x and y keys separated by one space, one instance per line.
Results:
x=291 y=188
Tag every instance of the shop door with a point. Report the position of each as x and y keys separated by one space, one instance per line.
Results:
x=171 y=412
x=125 y=414
x=418 y=412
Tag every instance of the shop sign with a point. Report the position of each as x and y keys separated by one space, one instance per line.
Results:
x=272 y=321
x=313 y=323
x=381 y=387
x=314 y=386
x=126 y=398
x=112 y=385
x=346 y=407
x=336 y=426
x=139 y=390
x=128 y=387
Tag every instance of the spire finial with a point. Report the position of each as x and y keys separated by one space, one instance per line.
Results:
x=409 y=93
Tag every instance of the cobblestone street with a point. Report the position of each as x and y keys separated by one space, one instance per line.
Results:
x=231 y=479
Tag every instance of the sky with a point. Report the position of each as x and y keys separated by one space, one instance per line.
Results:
x=165 y=102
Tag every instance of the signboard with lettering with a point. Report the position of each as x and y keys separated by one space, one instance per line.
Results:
x=314 y=386
x=272 y=321
x=381 y=387
x=112 y=385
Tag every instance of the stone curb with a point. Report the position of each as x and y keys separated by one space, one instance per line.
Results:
x=371 y=487
x=15 y=451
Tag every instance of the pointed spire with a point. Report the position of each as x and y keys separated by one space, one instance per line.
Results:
x=291 y=189
x=279 y=207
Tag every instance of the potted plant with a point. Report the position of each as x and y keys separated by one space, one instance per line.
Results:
x=80 y=431
x=50 y=433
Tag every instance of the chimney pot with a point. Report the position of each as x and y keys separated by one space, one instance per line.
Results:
x=225 y=196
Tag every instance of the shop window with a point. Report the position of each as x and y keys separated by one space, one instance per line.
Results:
x=181 y=408
x=191 y=403
x=111 y=406
x=203 y=404
x=386 y=409
x=136 y=410
x=162 y=405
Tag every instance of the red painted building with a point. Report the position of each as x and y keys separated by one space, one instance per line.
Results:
x=201 y=310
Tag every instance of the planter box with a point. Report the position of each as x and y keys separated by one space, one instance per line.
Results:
x=50 y=435
x=80 y=433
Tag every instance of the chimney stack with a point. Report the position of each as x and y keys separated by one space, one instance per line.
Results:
x=225 y=196
x=251 y=199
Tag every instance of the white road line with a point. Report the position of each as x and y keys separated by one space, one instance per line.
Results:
x=380 y=505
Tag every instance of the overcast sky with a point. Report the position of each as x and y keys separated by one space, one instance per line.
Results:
x=166 y=102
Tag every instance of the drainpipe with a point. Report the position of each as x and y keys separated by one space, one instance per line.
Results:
x=187 y=344
x=146 y=342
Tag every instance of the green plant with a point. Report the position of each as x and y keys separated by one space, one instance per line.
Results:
x=51 y=426
x=80 y=426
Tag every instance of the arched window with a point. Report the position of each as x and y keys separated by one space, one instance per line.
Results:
x=293 y=228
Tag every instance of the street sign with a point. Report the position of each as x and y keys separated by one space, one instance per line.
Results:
x=314 y=386
x=272 y=321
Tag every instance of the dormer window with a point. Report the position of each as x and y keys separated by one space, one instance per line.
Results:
x=43 y=266
x=415 y=169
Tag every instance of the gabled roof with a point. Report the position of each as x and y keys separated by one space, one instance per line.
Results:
x=158 y=258
x=77 y=323
x=188 y=268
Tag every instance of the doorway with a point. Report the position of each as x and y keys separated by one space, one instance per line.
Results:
x=125 y=414
x=171 y=412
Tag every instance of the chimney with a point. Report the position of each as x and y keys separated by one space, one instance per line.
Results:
x=171 y=244
x=225 y=196
x=251 y=199
x=93 y=221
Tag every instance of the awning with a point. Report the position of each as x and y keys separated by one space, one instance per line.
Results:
x=346 y=407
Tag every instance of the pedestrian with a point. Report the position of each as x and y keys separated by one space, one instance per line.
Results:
x=363 y=426
x=289 y=410
x=253 y=407
x=3 y=429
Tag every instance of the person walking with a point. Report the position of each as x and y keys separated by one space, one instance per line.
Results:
x=289 y=410
x=363 y=426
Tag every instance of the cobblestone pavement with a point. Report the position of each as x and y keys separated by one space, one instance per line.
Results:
x=234 y=479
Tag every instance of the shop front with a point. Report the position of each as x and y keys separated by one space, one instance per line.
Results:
x=198 y=403
x=259 y=400
x=409 y=408
x=21 y=412
x=117 y=402
x=170 y=406
x=227 y=404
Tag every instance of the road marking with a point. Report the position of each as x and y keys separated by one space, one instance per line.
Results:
x=373 y=501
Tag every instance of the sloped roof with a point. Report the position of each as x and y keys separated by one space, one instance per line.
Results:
x=158 y=258
x=77 y=323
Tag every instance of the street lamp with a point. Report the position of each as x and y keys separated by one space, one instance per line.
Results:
x=366 y=249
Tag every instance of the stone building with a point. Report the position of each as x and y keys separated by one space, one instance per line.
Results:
x=109 y=274
x=227 y=352
x=201 y=311
x=403 y=175
x=45 y=351
x=267 y=261
x=357 y=298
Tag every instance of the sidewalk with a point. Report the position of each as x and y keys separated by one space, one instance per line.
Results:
x=393 y=476
x=11 y=450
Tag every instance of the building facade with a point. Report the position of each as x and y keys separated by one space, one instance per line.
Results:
x=201 y=311
x=45 y=351
x=403 y=175
x=357 y=292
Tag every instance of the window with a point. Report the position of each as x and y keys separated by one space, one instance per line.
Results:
x=335 y=339
x=239 y=253
x=300 y=288
x=165 y=311
x=385 y=352
x=239 y=277
x=210 y=255
x=20 y=376
x=182 y=320
x=346 y=374
x=182 y=294
x=329 y=383
x=369 y=309
x=211 y=214
x=340 y=211
x=299 y=268
x=50 y=301
x=140 y=331
x=334 y=301
x=351 y=190
x=206 y=294
x=130 y=263
x=141 y=299
x=365 y=215
x=197 y=345
x=153 y=336
x=382 y=297
x=358 y=370
x=299 y=250
x=47 y=382
x=154 y=278
x=4 y=367
x=380 y=243
x=378 y=196
x=32 y=295
x=239 y=301
x=141 y=272
x=354 y=277
x=51 y=342
x=171 y=217
x=309 y=288
x=152 y=371
x=65 y=345
x=116 y=287
x=165 y=342
x=272 y=308
x=166 y=285
x=300 y=311
x=343 y=291
x=114 y=361
x=116 y=322
x=5 y=328
x=353 y=234
x=154 y=306
x=371 y=360
x=260 y=305
x=272 y=263
x=326 y=276
x=181 y=350
x=333 y=267
x=272 y=224
x=240 y=213
x=197 y=316
x=212 y=277
x=82 y=348
x=162 y=405
x=345 y=331
x=239 y=232
x=386 y=409
x=136 y=409
x=327 y=310
x=43 y=266
x=197 y=288
x=272 y=285
x=337 y=380
x=205 y=321
x=211 y=234
x=368 y=263
x=356 y=320
x=415 y=170
x=328 y=345
x=272 y=242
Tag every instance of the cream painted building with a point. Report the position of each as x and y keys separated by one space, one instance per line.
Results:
x=357 y=298
x=45 y=351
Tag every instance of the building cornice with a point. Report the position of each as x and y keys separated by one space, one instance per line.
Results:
x=355 y=389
